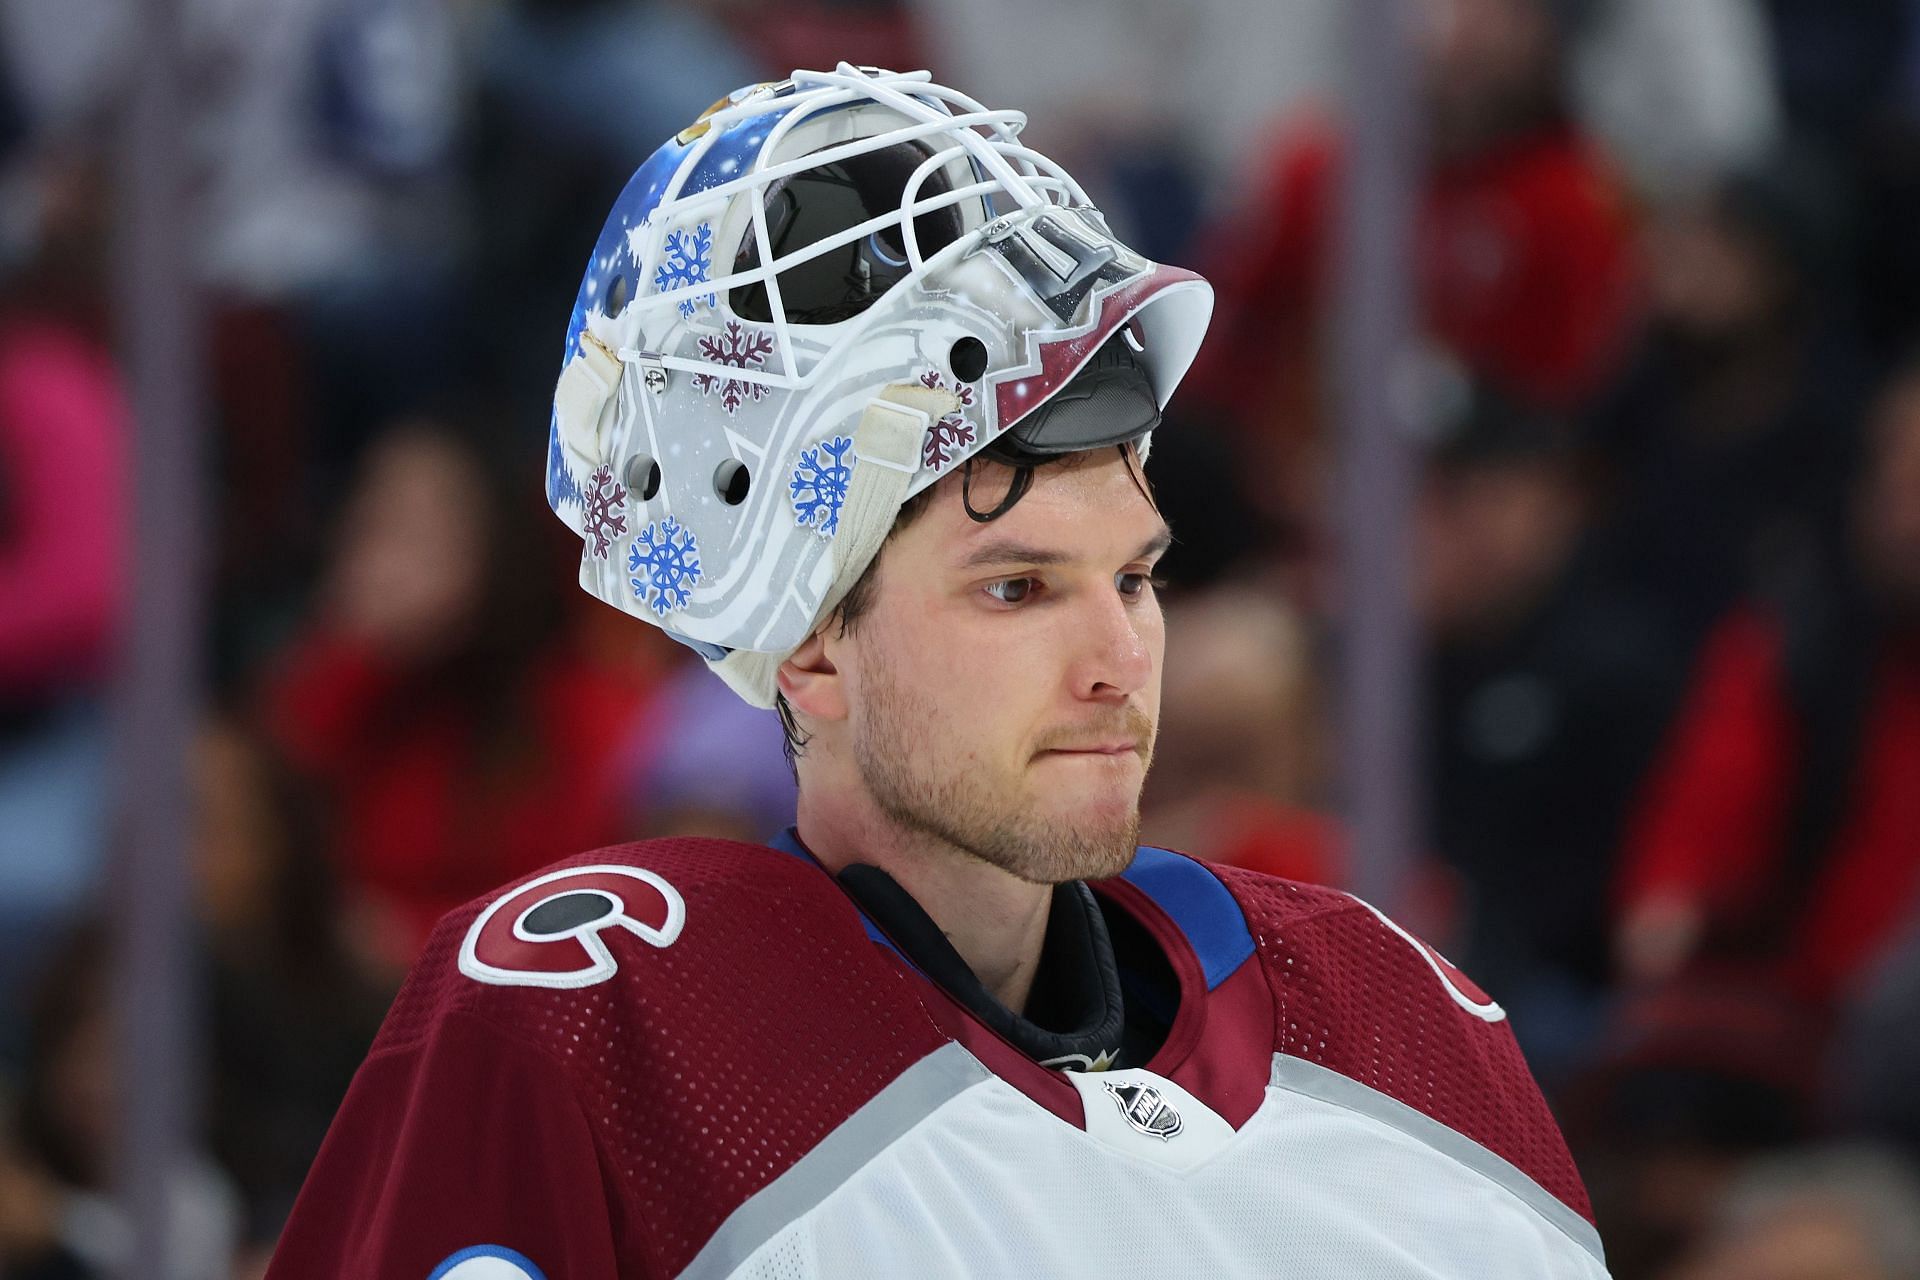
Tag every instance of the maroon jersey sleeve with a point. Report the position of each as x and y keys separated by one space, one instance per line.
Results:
x=465 y=1143
x=1359 y=996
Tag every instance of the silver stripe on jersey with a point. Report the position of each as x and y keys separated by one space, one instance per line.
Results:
x=940 y=1078
x=909 y=1099
x=1312 y=1080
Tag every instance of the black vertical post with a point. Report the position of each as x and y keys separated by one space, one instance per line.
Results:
x=161 y=350
x=1370 y=371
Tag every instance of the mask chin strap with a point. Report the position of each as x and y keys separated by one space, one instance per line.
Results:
x=886 y=448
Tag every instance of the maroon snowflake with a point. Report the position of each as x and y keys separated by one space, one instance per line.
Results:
x=950 y=433
x=602 y=517
x=741 y=348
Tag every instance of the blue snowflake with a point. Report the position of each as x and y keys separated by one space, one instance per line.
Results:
x=561 y=486
x=819 y=484
x=689 y=261
x=665 y=562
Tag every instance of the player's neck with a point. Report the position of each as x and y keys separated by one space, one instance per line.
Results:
x=996 y=921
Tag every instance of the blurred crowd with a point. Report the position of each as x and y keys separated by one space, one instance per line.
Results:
x=1668 y=545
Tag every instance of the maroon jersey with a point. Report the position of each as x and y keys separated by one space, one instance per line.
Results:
x=694 y=1057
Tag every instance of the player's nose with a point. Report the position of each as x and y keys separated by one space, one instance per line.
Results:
x=1114 y=658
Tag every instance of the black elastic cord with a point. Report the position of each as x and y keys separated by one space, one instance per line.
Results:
x=1022 y=481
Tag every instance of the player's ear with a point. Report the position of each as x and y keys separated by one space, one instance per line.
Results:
x=811 y=682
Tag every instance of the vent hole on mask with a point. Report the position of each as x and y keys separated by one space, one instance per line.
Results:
x=968 y=359
x=643 y=477
x=616 y=299
x=730 y=481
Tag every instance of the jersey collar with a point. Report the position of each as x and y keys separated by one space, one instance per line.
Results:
x=1078 y=1014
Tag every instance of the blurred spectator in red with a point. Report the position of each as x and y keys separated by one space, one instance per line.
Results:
x=1525 y=257
x=439 y=700
x=1238 y=766
x=64 y=443
x=1780 y=829
x=1731 y=431
x=1546 y=691
x=1823 y=1213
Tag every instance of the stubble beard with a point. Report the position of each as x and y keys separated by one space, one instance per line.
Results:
x=896 y=749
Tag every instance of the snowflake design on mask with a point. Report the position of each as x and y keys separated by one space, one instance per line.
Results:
x=741 y=348
x=689 y=261
x=665 y=563
x=603 y=517
x=819 y=484
x=562 y=488
x=946 y=437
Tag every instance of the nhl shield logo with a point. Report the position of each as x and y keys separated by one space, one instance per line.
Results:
x=1145 y=1109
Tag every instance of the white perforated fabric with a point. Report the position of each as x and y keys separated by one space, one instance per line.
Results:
x=992 y=1185
x=788 y=1256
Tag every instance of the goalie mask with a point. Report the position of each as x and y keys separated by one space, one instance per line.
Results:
x=810 y=305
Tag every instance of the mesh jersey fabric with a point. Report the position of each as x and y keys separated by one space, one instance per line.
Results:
x=1352 y=995
x=765 y=1066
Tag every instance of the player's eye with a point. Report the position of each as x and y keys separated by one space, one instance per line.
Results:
x=1012 y=590
x=1135 y=585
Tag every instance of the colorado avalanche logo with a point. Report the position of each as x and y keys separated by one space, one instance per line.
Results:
x=548 y=932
